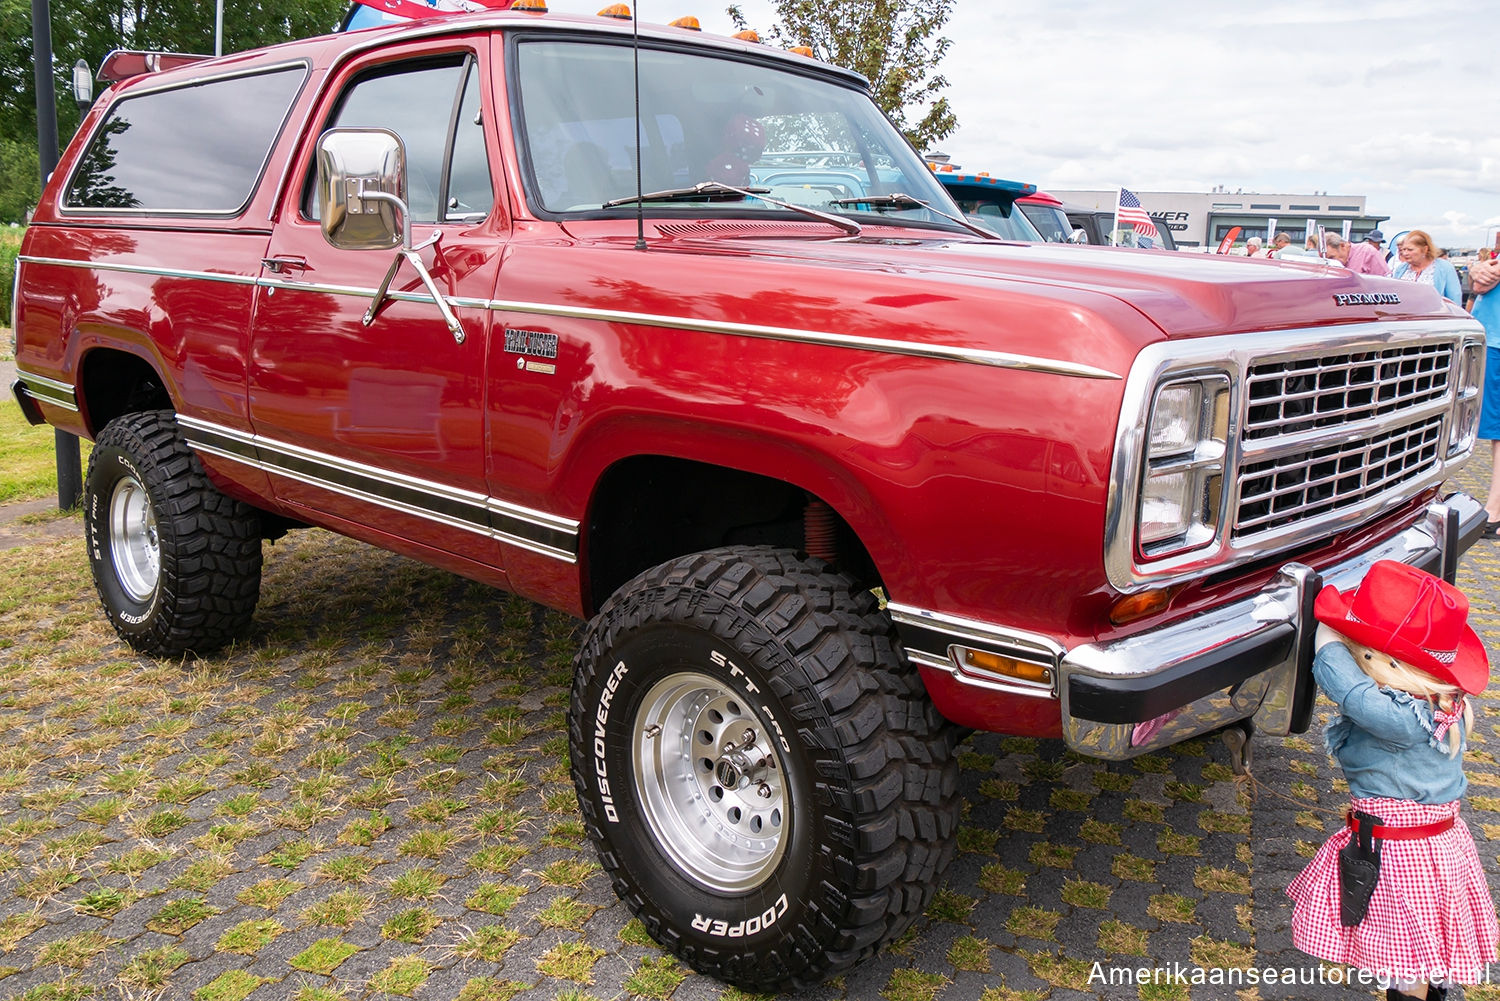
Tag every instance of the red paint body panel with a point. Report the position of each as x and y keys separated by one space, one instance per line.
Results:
x=980 y=491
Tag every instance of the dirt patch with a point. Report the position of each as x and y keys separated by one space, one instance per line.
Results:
x=26 y=523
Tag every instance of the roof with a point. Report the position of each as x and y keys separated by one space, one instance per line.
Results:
x=324 y=50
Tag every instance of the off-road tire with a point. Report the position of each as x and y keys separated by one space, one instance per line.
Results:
x=201 y=591
x=867 y=769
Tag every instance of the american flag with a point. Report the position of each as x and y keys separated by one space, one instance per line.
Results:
x=1129 y=210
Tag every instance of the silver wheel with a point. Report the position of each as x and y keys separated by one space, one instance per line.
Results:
x=710 y=782
x=133 y=545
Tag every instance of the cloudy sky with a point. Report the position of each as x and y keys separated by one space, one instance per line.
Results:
x=1396 y=101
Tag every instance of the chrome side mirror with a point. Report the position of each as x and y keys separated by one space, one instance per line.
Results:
x=355 y=168
x=362 y=206
x=1078 y=236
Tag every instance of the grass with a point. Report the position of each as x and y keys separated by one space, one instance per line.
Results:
x=265 y=780
x=323 y=956
x=27 y=454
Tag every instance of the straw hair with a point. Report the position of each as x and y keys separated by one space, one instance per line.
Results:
x=1385 y=670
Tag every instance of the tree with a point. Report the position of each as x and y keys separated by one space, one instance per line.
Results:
x=893 y=43
x=90 y=29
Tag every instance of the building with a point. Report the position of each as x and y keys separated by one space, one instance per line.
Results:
x=1199 y=219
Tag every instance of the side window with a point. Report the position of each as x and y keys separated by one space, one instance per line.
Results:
x=434 y=108
x=195 y=149
x=470 y=195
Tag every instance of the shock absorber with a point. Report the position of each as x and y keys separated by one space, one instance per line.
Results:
x=819 y=531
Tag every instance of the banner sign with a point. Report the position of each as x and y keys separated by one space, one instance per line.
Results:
x=415 y=9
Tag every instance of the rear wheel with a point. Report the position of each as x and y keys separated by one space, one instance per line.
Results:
x=766 y=781
x=175 y=562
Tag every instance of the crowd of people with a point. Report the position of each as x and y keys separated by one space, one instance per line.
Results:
x=1414 y=258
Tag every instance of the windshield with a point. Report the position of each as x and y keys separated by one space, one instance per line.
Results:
x=704 y=118
x=1003 y=218
x=1049 y=220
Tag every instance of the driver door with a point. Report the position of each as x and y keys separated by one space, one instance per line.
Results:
x=379 y=428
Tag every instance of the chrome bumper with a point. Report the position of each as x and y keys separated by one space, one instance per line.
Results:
x=1251 y=659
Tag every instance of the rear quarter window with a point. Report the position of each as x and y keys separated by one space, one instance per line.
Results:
x=199 y=148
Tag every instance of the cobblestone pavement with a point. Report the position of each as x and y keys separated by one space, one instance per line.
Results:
x=370 y=798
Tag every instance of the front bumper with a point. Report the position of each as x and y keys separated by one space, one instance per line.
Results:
x=1252 y=658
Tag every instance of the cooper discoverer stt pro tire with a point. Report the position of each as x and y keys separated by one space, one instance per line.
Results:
x=768 y=785
x=176 y=563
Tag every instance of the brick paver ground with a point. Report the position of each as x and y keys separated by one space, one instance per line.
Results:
x=370 y=798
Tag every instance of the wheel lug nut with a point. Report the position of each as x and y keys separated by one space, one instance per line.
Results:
x=748 y=736
x=763 y=791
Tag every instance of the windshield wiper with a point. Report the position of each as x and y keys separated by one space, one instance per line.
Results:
x=704 y=191
x=718 y=189
x=899 y=200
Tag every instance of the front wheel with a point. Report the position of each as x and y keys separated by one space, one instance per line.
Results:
x=176 y=563
x=767 y=783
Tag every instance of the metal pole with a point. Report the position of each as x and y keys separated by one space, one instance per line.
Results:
x=219 y=27
x=69 y=468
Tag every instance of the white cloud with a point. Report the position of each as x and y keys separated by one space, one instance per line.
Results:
x=1357 y=97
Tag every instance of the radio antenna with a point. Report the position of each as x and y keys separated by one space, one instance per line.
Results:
x=640 y=202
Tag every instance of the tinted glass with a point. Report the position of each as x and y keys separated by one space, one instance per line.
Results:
x=706 y=118
x=1049 y=221
x=417 y=105
x=469 y=192
x=191 y=149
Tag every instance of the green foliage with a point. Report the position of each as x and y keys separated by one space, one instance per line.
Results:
x=894 y=43
x=10 y=246
x=88 y=30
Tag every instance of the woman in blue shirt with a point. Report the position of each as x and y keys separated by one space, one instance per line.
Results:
x=1420 y=263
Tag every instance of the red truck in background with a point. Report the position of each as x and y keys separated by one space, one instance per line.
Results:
x=830 y=473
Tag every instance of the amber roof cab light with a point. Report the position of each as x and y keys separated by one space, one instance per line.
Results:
x=748 y=35
x=690 y=23
x=530 y=6
x=619 y=11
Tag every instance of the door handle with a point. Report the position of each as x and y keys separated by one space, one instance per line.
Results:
x=279 y=265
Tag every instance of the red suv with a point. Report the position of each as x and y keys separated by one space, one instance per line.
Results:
x=831 y=475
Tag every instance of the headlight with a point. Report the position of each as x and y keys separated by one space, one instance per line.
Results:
x=1182 y=484
x=1166 y=507
x=1176 y=420
x=1463 y=426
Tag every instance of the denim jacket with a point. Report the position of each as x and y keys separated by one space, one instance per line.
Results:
x=1385 y=740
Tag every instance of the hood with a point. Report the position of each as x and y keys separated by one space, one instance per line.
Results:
x=1184 y=294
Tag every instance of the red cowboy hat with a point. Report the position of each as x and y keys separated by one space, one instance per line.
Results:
x=1412 y=616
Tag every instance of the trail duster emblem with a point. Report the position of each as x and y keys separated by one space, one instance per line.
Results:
x=531 y=342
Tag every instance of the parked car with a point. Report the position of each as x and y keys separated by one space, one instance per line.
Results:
x=991 y=202
x=1098 y=226
x=828 y=482
x=1046 y=213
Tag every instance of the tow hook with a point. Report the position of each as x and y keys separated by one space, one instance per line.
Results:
x=1237 y=737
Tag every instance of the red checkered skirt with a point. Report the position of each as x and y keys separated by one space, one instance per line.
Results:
x=1431 y=916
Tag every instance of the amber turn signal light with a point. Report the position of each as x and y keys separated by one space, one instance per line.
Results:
x=993 y=663
x=1138 y=606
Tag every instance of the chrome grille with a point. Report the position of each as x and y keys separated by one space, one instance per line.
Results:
x=1324 y=480
x=1291 y=395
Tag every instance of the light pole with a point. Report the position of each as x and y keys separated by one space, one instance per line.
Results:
x=69 y=468
x=218 y=27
